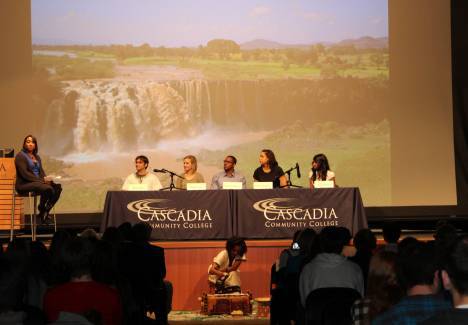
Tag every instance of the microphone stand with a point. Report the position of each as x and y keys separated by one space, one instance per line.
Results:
x=289 y=183
x=172 y=185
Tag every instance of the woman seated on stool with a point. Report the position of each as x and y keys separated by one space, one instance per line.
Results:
x=30 y=177
x=223 y=273
x=321 y=170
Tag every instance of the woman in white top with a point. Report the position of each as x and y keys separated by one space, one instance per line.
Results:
x=321 y=170
x=223 y=273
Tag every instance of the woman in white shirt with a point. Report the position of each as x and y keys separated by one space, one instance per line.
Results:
x=223 y=273
x=321 y=170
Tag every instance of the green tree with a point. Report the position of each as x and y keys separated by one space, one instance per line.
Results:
x=343 y=49
x=145 y=50
x=319 y=49
x=223 y=47
x=297 y=56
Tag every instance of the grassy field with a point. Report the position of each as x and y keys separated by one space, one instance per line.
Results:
x=90 y=65
x=252 y=70
x=66 y=68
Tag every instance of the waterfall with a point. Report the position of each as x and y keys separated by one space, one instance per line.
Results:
x=116 y=115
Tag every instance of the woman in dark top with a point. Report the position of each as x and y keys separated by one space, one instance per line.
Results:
x=269 y=171
x=30 y=177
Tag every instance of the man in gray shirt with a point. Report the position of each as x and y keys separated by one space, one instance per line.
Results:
x=330 y=269
x=228 y=175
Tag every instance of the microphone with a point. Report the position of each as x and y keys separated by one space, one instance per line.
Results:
x=298 y=171
x=159 y=170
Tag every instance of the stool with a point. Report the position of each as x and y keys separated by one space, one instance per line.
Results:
x=32 y=196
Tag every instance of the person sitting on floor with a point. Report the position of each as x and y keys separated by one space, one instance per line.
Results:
x=223 y=273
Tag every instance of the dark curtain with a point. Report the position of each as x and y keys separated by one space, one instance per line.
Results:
x=460 y=98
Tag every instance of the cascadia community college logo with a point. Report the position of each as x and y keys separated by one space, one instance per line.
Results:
x=159 y=214
x=286 y=213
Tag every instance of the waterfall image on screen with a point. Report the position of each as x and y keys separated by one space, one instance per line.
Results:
x=115 y=79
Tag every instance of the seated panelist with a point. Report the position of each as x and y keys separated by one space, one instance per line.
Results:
x=269 y=171
x=190 y=173
x=142 y=179
x=320 y=170
x=229 y=174
x=30 y=177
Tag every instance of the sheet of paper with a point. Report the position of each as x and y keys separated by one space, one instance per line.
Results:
x=262 y=185
x=196 y=186
x=232 y=185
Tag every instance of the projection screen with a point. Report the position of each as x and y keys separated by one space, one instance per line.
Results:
x=366 y=82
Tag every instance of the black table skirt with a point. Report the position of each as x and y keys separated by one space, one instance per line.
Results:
x=220 y=214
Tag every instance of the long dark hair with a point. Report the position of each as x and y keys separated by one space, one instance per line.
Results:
x=34 y=140
x=323 y=167
x=383 y=289
x=271 y=157
x=235 y=241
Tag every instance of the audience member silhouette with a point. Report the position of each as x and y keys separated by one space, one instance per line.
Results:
x=391 y=233
x=417 y=274
x=125 y=230
x=13 y=289
x=365 y=244
x=39 y=274
x=143 y=265
x=330 y=268
x=81 y=294
x=113 y=236
x=285 y=277
x=455 y=279
x=383 y=289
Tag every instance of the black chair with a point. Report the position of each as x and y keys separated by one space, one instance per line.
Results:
x=330 y=306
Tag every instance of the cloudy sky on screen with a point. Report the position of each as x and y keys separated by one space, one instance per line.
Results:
x=175 y=23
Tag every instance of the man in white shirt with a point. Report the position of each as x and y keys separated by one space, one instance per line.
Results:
x=228 y=174
x=142 y=176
